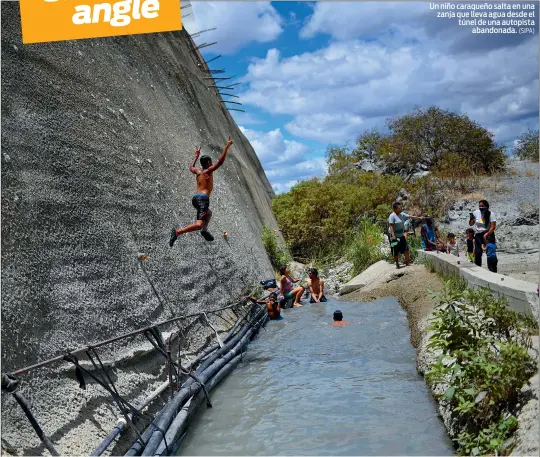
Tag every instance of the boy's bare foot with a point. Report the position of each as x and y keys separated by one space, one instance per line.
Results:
x=174 y=236
x=297 y=305
x=206 y=235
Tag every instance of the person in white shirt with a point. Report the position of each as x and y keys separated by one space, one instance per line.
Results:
x=484 y=223
x=396 y=229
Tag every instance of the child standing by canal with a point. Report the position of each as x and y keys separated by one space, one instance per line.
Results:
x=470 y=244
x=490 y=248
x=452 y=245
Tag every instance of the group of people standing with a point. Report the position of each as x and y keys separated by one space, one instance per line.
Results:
x=480 y=236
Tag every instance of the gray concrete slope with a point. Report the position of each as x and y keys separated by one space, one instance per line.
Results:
x=97 y=136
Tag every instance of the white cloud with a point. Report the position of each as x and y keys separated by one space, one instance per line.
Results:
x=348 y=20
x=336 y=92
x=285 y=162
x=272 y=148
x=237 y=23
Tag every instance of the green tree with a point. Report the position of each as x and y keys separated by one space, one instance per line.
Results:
x=425 y=137
x=527 y=146
x=368 y=144
x=340 y=160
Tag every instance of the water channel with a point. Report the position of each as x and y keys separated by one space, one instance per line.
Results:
x=305 y=387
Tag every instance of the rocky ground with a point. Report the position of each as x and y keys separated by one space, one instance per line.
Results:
x=514 y=198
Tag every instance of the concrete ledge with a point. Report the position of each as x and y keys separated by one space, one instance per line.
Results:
x=521 y=295
x=381 y=271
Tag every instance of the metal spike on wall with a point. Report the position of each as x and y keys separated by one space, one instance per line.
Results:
x=214 y=58
x=230 y=101
x=219 y=79
x=234 y=109
x=202 y=31
x=205 y=45
x=229 y=95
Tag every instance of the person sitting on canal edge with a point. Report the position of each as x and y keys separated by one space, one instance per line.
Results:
x=286 y=287
x=338 y=319
x=272 y=305
x=490 y=248
x=398 y=242
x=470 y=244
x=316 y=287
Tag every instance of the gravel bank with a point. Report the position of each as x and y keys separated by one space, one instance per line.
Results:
x=513 y=197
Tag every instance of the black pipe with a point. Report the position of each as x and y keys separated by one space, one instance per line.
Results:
x=175 y=403
x=120 y=428
x=182 y=396
x=233 y=341
x=179 y=424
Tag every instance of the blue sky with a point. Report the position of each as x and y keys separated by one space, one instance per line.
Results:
x=315 y=74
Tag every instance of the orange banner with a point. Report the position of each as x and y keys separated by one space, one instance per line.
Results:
x=57 y=20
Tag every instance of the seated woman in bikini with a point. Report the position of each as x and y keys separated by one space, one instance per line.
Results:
x=286 y=286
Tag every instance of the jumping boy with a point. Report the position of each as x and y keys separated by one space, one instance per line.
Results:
x=201 y=200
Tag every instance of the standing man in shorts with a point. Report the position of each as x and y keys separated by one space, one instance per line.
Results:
x=201 y=200
x=396 y=222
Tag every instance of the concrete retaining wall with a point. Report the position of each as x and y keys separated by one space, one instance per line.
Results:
x=521 y=295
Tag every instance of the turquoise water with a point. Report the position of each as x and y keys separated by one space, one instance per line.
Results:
x=308 y=388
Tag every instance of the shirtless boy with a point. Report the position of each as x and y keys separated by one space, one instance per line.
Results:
x=201 y=200
x=272 y=306
x=316 y=287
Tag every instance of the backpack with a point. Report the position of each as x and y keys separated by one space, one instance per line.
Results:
x=269 y=284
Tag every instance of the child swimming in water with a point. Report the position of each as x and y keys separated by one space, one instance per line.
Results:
x=338 y=319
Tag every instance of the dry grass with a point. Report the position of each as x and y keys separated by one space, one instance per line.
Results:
x=530 y=174
x=472 y=196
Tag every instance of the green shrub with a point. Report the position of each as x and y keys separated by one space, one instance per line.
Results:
x=363 y=249
x=277 y=256
x=318 y=217
x=483 y=362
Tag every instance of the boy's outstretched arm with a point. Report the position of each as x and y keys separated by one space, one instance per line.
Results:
x=192 y=168
x=221 y=157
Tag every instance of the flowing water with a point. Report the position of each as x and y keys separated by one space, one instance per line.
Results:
x=308 y=388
